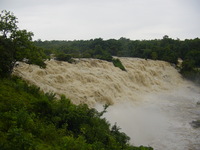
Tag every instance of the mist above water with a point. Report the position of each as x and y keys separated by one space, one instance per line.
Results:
x=160 y=120
x=150 y=102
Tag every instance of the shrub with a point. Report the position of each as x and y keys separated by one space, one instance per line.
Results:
x=64 y=57
x=31 y=119
x=118 y=63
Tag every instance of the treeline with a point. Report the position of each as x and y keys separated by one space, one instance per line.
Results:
x=166 y=49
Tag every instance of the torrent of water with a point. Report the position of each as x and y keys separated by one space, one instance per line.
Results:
x=91 y=80
x=151 y=102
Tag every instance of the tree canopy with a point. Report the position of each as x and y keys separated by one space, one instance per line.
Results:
x=16 y=44
x=8 y=23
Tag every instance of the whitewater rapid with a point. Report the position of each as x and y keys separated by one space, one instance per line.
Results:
x=150 y=101
x=94 y=81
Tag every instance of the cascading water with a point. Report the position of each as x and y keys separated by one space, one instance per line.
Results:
x=150 y=102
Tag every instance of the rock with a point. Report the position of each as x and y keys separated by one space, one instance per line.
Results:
x=195 y=124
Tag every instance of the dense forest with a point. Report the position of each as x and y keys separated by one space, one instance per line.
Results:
x=33 y=120
x=166 y=49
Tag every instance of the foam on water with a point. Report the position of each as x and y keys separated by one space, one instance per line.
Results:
x=91 y=80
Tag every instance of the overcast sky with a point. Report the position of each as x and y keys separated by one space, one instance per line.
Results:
x=89 y=19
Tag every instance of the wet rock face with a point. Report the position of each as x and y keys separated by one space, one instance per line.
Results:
x=195 y=124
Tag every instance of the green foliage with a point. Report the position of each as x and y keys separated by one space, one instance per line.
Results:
x=194 y=56
x=7 y=23
x=118 y=63
x=189 y=71
x=64 y=57
x=187 y=66
x=154 y=55
x=165 y=49
x=121 y=138
x=6 y=56
x=15 y=45
x=31 y=119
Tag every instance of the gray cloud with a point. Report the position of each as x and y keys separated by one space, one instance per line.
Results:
x=86 y=19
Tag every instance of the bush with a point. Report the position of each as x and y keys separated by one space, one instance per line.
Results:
x=64 y=57
x=118 y=63
x=38 y=62
x=189 y=71
x=31 y=119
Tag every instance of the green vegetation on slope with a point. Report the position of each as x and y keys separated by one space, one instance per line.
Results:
x=31 y=119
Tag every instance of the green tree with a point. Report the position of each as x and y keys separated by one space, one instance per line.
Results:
x=187 y=66
x=194 y=56
x=154 y=55
x=6 y=56
x=8 y=23
x=15 y=45
x=64 y=57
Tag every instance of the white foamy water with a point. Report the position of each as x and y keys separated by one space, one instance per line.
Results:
x=94 y=81
x=150 y=102
x=161 y=120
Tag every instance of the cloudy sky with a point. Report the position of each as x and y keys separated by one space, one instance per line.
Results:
x=89 y=19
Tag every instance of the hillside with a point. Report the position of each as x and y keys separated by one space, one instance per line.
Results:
x=33 y=120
